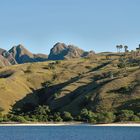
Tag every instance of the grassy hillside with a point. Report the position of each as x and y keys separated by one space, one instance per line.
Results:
x=71 y=85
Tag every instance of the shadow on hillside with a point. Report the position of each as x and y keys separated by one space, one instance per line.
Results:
x=28 y=103
x=40 y=96
x=67 y=99
x=81 y=92
x=48 y=91
x=6 y=74
x=130 y=105
x=46 y=96
x=100 y=66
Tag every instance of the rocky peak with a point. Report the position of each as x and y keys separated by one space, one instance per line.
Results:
x=21 y=54
x=62 y=51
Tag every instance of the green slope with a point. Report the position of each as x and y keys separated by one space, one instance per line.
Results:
x=71 y=85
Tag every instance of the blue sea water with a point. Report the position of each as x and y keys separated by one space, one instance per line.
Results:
x=68 y=133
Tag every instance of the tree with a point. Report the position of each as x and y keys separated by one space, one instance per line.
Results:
x=138 y=114
x=84 y=114
x=92 y=117
x=117 y=48
x=57 y=117
x=125 y=48
x=120 y=48
x=125 y=115
x=67 y=116
x=20 y=119
x=42 y=110
x=135 y=118
x=42 y=113
x=109 y=117
x=88 y=116
x=106 y=117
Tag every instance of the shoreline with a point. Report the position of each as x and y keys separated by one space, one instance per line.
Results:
x=72 y=124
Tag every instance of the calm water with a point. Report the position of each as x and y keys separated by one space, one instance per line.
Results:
x=69 y=133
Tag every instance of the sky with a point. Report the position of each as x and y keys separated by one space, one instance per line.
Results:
x=97 y=25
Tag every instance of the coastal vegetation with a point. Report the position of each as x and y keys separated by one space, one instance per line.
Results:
x=44 y=114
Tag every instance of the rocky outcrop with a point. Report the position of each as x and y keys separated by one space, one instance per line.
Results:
x=6 y=58
x=62 y=51
x=21 y=54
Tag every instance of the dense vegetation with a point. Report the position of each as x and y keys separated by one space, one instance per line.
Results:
x=44 y=114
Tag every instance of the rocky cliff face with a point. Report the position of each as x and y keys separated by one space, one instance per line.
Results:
x=4 y=61
x=6 y=58
x=58 y=51
x=21 y=54
x=62 y=51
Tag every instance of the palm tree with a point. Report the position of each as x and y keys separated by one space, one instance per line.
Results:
x=125 y=47
x=117 y=48
x=120 y=47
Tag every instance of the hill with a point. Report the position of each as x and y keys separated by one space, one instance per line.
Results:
x=22 y=55
x=71 y=85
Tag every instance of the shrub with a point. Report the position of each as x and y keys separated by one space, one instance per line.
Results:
x=41 y=113
x=135 y=118
x=138 y=114
x=109 y=117
x=67 y=116
x=88 y=116
x=125 y=115
x=111 y=75
x=106 y=117
x=1 y=119
x=88 y=67
x=84 y=114
x=20 y=119
x=57 y=117
x=42 y=110
x=58 y=62
x=42 y=118
x=1 y=109
x=51 y=66
x=6 y=118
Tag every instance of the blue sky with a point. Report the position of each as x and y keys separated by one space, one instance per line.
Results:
x=90 y=24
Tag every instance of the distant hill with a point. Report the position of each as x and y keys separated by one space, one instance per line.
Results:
x=40 y=57
x=22 y=55
x=61 y=51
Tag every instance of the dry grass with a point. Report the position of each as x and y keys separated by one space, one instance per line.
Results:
x=77 y=84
